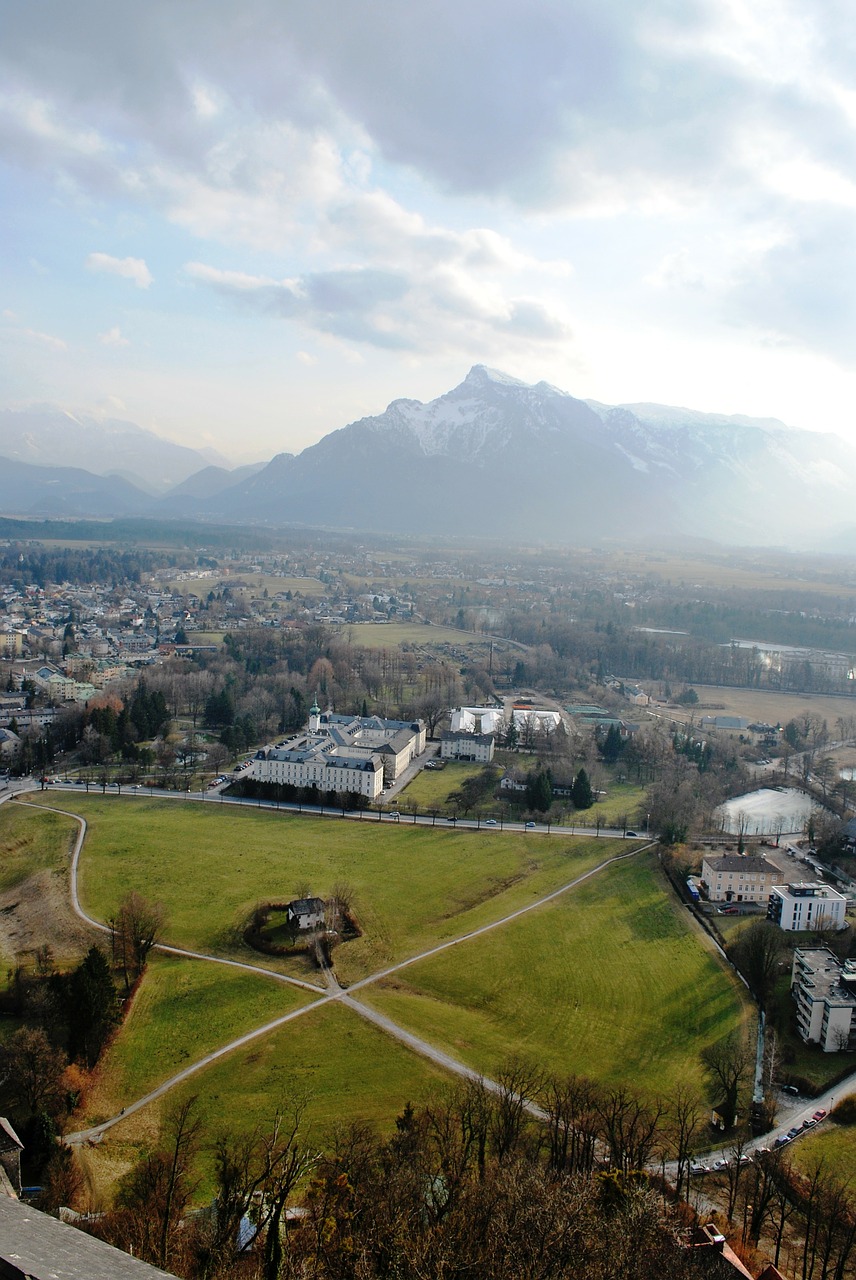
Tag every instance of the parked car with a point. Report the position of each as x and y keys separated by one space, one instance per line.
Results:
x=792 y=1089
x=529 y=824
x=819 y=1115
x=699 y=1168
x=792 y=1133
x=631 y=833
x=490 y=822
x=720 y=1164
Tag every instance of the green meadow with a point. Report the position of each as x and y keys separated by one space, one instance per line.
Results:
x=182 y=1010
x=608 y=981
x=411 y=886
x=31 y=842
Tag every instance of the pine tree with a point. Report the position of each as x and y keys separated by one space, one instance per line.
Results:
x=582 y=794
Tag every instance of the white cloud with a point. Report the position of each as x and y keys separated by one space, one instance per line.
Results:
x=45 y=339
x=128 y=268
x=113 y=338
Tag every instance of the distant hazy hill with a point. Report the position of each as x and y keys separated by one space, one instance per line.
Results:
x=50 y=437
x=494 y=457
x=498 y=457
x=26 y=490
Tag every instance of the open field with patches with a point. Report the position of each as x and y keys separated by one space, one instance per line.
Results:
x=254 y=582
x=763 y=706
x=391 y=635
x=182 y=1010
x=608 y=981
x=729 y=570
x=35 y=850
x=412 y=886
x=430 y=788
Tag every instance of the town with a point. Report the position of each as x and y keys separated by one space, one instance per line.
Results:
x=459 y=699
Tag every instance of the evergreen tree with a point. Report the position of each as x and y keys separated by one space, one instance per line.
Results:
x=612 y=744
x=92 y=1009
x=582 y=794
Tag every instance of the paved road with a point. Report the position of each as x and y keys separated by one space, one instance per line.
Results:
x=497 y=825
x=331 y=992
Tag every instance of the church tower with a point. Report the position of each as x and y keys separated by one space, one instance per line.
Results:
x=314 y=716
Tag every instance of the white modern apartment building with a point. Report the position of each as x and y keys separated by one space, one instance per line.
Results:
x=810 y=905
x=825 y=993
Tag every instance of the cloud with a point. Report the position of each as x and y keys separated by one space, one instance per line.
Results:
x=425 y=176
x=45 y=339
x=392 y=309
x=129 y=268
x=113 y=338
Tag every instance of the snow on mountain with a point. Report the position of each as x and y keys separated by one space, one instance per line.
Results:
x=498 y=457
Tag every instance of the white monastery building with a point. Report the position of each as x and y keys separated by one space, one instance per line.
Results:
x=342 y=753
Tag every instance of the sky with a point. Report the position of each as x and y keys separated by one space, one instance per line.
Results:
x=245 y=225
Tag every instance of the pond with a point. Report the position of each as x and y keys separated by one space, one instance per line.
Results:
x=766 y=812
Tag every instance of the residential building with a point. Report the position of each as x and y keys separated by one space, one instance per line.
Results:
x=478 y=747
x=739 y=878
x=306 y=913
x=809 y=905
x=825 y=995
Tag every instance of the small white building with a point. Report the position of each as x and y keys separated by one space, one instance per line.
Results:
x=476 y=719
x=467 y=746
x=809 y=905
x=306 y=913
x=824 y=989
x=739 y=878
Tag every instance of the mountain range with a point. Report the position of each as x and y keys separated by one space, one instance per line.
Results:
x=494 y=457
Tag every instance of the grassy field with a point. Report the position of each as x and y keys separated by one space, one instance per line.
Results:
x=182 y=1010
x=35 y=908
x=256 y=582
x=344 y=1069
x=430 y=788
x=833 y=1144
x=765 y=706
x=30 y=843
x=390 y=635
x=412 y=886
x=622 y=799
x=608 y=981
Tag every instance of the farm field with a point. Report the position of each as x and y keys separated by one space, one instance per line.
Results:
x=270 y=582
x=344 y=1070
x=182 y=1010
x=764 y=706
x=609 y=981
x=730 y=571
x=390 y=635
x=411 y=886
